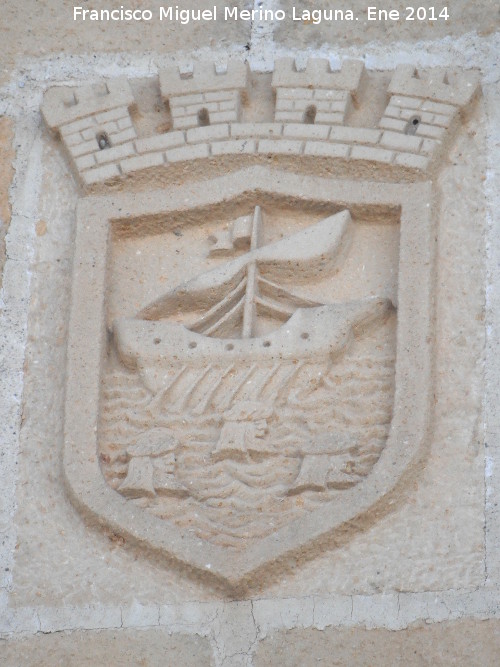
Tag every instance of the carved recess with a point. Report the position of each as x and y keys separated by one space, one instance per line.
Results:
x=260 y=373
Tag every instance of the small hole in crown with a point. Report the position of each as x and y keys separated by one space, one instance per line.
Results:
x=203 y=117
x=412 y=125
x=103 y=141
x=310 y=115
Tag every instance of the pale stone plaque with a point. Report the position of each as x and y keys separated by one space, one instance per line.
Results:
x=250 y=371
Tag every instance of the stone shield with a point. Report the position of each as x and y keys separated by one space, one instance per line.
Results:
x=237 y=489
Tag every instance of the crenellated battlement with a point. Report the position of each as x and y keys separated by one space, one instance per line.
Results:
x=62 y=105
x=318 y=74
x=203 y=77
x=425 y=109
x=209 y=119
x=316 y=94
x=204 y=94
x=440 y=86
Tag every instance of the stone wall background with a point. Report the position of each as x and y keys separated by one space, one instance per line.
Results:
x=60 y=584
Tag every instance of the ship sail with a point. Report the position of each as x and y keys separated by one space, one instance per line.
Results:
x=239 y=290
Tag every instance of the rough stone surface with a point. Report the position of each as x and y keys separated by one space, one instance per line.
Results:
x=6 y=174
x=121 y=648
x=483 y=15
x=474 y=643
x=418 y=563
x=415 y=580
x=45 y=29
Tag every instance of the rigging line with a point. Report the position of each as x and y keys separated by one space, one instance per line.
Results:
x=252 y=273
x=228 y=317
x=273 y=308
x=210 y=317
x=273 y=290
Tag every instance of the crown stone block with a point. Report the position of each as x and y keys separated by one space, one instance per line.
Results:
x=62 y=105
x=318 y=74
x=319 y=94
x=437 y=87
x=206 y=96
x=211 y=113
x=204 y=79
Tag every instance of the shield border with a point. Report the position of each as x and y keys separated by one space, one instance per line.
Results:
x=408 y=437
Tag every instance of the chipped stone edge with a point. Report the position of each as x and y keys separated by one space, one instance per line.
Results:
x=392 y=611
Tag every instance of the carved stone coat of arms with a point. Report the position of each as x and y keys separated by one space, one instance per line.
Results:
x=250 y=351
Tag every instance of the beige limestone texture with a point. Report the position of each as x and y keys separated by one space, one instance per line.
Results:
x=482 y=16
x=6 y=175
x=399 y=552
x=35 y=29
x=453 y=547
x=415 y=545
x=120 y=648
x=471 y=643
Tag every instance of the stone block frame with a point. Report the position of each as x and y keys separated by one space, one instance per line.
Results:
x=412 y=415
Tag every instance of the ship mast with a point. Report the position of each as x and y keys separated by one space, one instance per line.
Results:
x=252 y=276
x=236 y=293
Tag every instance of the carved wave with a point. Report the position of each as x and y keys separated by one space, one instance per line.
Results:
x=343 y=420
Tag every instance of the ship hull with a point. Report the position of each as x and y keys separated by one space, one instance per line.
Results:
x=188 y=367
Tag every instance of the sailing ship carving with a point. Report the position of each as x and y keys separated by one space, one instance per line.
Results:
x=222 y=365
